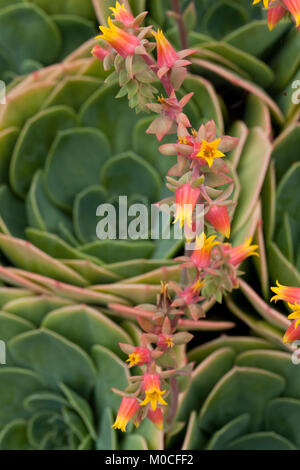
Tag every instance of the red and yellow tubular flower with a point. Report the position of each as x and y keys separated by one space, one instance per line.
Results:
x=166 y=54
x=209 y=151
x=218 y=217
x=156 y=417
x=286 y=293
x=275 y=14
x=293 y=7
x=295 y=315
x=239 y=253
x=186 y=200
x=191 y=294
x=202 y=252
x=292 y=333
x=152 y=391
x=127 y=410
x=124 y=43
x=121 y=14
x=266 y=2
x=165 y=342
x=139 y=357
x=99 y=52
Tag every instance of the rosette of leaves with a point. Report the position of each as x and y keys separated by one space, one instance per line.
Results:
x=243 y=395
x=62 y=360
x=59 y=26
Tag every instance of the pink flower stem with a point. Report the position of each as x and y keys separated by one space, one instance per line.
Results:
x=165 y=80
x=181 y=26
x=174 y=400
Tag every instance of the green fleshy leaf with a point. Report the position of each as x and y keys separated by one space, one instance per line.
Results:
x=223 y=17
x=142 y=178
x=34 y=142
x=75 y=7
x=54 y=358
x=261 y=73
x=230 y=431
x=48 y=401
x=15 y=385
x=8 y=294
x=204 y=378
x=282 y=417
x=80 y=153
x=261 y=441
x=275 y=361
x=111 y=372
x=41 y=212
x=82 y=407
x=251 y=171
x=74 y=32
x=11 y=326
x=14 y=436
x=106 y=439
x=117 y=121
x=72 y=91
x=23 y=106
x=111 y=251
x=84 y=212
x=13 y=212
x=238 y=343
x=26 y=256
x=242 y=390
x=86 y=327
x=258 y=30
x=280 y=268
x=24 y=16
x=134 y=442
x=8 y=139
x=34 y=309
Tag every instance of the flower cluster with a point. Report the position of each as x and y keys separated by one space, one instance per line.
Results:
x=277 y=9
x=147 y=394
x=291 y=295
x=201 y=178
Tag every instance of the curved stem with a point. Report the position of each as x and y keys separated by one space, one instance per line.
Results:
x=181 y=26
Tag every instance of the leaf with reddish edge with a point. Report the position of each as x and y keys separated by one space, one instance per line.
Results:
x=242 y=83
x=135 y=293
x=66 y=290
x=266 y=311
x=26 y=256
x=204 y=325
x=260 y=327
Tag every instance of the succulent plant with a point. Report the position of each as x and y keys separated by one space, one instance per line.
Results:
x=244 y=395
x=62 y=360
x=63 y=25
x=63 y=121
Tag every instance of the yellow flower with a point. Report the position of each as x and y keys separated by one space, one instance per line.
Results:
x=202 y=252
x=127 y=410
x=295 y=315
x=152 y=391
x=209 y=151
x=266 y=3
x=121 y=14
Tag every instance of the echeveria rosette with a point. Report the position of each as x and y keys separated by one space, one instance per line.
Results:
x=62 y=360
x=64 y=25
x=243 y=395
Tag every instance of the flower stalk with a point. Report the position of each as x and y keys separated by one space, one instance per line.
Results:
x=142 y=59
